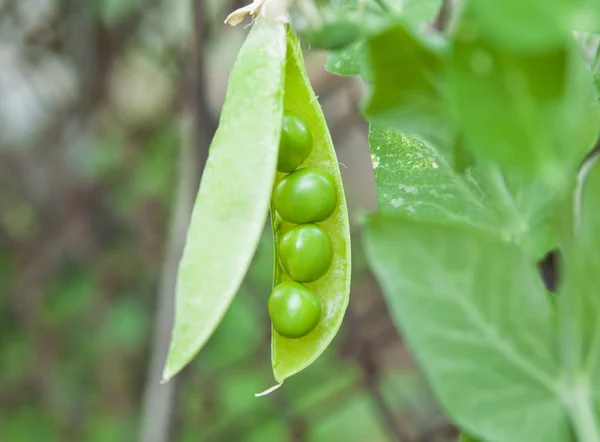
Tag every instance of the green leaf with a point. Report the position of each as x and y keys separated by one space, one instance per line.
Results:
x=347 y=61
x=233 y=199
x=526 y=209
x=475 y=314
x=536 y=113
x=350 y=60
x=289 y=356
x=535 y=25
x=416 y=12
x=414 y=179
x=406 y=85
x=579 y=308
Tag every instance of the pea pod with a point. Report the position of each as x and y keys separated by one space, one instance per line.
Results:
x=289 y=356
x=233 y=199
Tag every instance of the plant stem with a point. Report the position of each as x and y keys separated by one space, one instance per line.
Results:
x=159 y=403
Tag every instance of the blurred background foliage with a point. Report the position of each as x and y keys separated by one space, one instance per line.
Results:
x=107 y=108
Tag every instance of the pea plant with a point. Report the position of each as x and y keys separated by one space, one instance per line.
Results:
x=483 y=120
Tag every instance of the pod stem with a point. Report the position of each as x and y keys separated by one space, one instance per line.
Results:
x=268 y=390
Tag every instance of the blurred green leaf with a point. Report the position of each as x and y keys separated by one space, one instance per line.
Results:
x=238 y=335
x=536 y=113
x=239 y=410
x=27 y=424
x=407 y=80
x=105 y=158
x=154 y=174
x=126 y=326
x=535 y=25
x=464 y=437
x=325 y=378
x=7 y=272
x=15 y=356
x=351 y=60
x=416 y=12
x=356 y=420
x=260 y=274
x=270 y=432
x=70 y=298
x=347 y=61
x=408 y=392
x=104 y=427
x=237 y=394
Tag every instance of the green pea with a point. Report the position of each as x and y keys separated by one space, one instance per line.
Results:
x=294 y=309
x=296 y=143
x=306 y=252
x=305 y=196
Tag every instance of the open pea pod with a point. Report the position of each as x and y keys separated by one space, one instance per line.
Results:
x=233 y=199
x=289 y=356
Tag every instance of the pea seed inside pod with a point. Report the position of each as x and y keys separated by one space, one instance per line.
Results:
x=295 y=144
x=294 y=309
x=307 y=195
x=306 y=252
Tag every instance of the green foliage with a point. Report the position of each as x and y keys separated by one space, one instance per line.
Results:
x=233 y=199
x=417 y=181
x=347 y=61
x=357 y=421
x=477 y=135
x=68 y=298
x=407 y=84
x=535 y=25
x=237 y=334
x=429 y=189
x=532 y=112
x=126 y=327
x=466 y=438
x=113 y=428
x=477 y=316
x=274 y=430
x=455 y=246
x=27 y=425
x=351 y=59
x=15 y=358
